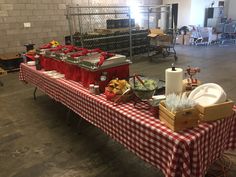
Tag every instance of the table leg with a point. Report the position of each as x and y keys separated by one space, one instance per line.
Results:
x=220 y=167
x=35 y=90
x=1 y=84
x=68 y=117
x=79 y=127
x=79 y=122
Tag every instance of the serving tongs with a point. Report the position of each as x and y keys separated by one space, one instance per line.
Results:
x=140 y=80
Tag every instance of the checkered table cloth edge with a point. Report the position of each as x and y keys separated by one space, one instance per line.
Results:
x=187 y=154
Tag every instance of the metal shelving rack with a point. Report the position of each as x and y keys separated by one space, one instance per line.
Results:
x=84 y=20
x=154 y=15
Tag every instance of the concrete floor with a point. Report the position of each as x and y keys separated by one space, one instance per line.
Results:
x=35 y=140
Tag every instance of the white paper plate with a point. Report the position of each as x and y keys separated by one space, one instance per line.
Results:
x=31 y=63
x=50 y=72
x=58 y=76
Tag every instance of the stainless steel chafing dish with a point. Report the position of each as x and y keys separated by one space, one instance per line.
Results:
x=91 y=61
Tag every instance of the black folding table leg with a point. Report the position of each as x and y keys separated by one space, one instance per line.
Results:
x=68 y=117
x=1 y=84
x=79 y=126
x=35 y=90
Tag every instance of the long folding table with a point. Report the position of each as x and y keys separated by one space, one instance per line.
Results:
x=187 y=153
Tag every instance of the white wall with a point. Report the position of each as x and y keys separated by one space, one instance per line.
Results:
x=192 y=12
x=197 y=14
x=184 y=10
x=232 y=9
x=198 y=10
x=124 y=2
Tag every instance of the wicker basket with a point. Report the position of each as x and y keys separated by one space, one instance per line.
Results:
x=119 y=98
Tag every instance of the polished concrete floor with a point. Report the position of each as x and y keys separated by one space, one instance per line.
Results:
x=36 y=141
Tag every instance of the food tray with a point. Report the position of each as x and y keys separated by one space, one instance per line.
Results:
x=90 y=62
x=72 y=60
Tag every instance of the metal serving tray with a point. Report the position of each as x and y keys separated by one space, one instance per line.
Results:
x=90 y=62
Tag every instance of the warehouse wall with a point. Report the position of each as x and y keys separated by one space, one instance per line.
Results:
x=197 y=14
x=231 y=9
x=198 y=7
x=47 y=18
x=192 y=12
x=183 y=11
x=198 y=10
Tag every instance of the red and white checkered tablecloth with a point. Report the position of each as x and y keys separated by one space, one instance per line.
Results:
x=184 y=154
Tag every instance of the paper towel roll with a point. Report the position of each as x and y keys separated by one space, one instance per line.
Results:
x=174 y=80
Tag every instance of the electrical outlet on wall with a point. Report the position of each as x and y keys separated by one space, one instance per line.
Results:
x=27 y=25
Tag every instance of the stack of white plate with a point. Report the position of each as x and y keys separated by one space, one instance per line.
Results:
x=31 y=63
x=54 y=74
x=208 y=94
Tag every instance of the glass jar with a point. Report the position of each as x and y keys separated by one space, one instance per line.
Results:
x=103 y=77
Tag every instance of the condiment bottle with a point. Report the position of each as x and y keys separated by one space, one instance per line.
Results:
x=37 y=62
x=24 y=58
x=103 y=77
x=103 y=81
x=91 y=88
x=96 y=90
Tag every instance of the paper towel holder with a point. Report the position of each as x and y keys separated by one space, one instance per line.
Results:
x=173 y=67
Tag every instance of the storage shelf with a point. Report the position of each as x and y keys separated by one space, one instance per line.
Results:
x=110 y=37
x=117 y=42
x=114 y=42
x=127 y=48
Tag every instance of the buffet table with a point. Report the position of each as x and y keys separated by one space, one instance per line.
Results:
x=187 y=154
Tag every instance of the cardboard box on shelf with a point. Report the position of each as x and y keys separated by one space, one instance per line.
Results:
x=180 y=39
x=155 y=32
x=9 y=56
x=219 y=36
x=213 y=37
x=187 y=39
x=2 y=72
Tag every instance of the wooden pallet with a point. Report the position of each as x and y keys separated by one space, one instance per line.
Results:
x=2 y=72
x=10 y=61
